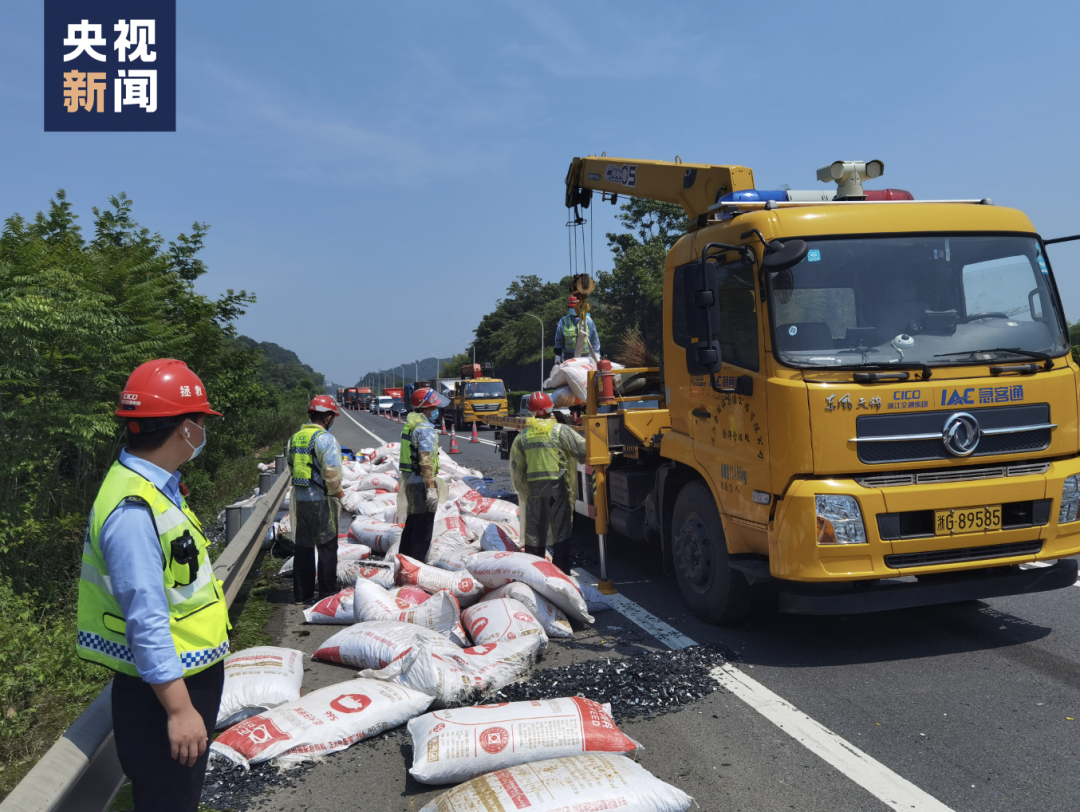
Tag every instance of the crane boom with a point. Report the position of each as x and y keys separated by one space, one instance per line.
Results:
x=695 y=187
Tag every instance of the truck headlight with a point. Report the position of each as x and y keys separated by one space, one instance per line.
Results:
x=839 y=520
x=1070 y=499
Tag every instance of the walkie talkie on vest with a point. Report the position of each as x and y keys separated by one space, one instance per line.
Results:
x=184 y=552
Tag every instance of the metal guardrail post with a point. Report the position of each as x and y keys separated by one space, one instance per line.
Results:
x=81 y=772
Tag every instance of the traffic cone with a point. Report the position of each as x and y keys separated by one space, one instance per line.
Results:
x=442 y=428
x=453 y=441
x=399 y=417
x=475 y=434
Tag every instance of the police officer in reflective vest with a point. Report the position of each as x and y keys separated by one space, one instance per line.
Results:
x=315 y=462
x=544 y=472
x=150 y=607
x=419 y=465
x=566 y=334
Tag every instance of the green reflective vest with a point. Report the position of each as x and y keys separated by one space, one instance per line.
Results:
x=543 y=459
x=569 y=329
x=302 y=461
x=407 y=463
x=198 y=615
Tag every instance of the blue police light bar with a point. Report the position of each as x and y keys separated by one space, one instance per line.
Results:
x=755 y=196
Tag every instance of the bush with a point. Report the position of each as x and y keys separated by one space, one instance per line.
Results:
x=77 y=316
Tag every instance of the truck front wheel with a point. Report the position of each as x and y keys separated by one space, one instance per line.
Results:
x=714 y=591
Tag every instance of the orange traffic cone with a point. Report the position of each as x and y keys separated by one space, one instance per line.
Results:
x=475 y=434
x=453 y=441
x=442 y=428
x=399 y=417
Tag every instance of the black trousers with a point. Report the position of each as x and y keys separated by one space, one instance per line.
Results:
x=159 y=782
x=316 y=526
x=304 y=571
x=416 y=535
x=549 y=523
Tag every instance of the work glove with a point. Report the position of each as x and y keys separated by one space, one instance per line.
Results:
x=432 y=499
x=558 y=358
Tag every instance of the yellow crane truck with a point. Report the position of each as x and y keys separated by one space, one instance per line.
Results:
x=477 y=398
x=867 y=398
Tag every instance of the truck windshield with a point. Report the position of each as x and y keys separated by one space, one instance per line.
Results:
x=934 y=300
x=484 y=389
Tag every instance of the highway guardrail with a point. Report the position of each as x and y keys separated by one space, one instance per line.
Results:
x=81 y=772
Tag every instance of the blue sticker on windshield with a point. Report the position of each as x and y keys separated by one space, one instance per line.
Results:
x=815 y=256
x=1042 y=264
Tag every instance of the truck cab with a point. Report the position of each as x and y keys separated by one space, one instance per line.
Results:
x=889 y=420
x=475 y=398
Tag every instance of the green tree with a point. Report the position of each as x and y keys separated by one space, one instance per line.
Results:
x=631 y=293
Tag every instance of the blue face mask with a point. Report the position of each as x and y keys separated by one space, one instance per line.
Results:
x=195 y=450
x=434 y=415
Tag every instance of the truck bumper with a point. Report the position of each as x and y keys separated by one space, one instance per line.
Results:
x=824 y=600
x=901 y=538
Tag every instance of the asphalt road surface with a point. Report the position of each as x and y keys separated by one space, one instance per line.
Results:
x=961 y=707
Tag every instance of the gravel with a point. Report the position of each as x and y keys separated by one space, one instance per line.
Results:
x=228 y=787
x=640 y=685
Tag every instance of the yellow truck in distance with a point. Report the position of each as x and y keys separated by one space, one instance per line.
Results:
x=476 y=398
x=867 y=398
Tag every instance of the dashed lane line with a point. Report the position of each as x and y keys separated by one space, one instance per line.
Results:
x=891 y=789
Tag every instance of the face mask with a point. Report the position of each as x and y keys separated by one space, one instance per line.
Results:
x=571 y=312
x=195 y=450
x=434 y=415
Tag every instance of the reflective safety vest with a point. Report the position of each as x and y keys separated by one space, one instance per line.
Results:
x=543 y=459
x=407 y=464
x=302 y=460
x=198 y=616
x=569 y=330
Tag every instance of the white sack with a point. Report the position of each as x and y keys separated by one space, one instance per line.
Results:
x=503 y=620
x=386 y=646
x=484 y=507
x=592 y=781
x=455 y=745
x=383 y=573
x=257 y=679
x=335 y=609
x=550 y=616
x=496 y=569
x=322 y=722
x=463 y=676
x=431 y=579
x=439 y=613
x=500 y=537
x=379 y=482
x=373 y=532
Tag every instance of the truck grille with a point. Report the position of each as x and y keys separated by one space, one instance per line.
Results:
x=919 y=524
x=915 y=437
x=485 y=407
x=899 y=479
x=985 y=553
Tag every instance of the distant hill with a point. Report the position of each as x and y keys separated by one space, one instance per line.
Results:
x=426 y=369
x=282 y=367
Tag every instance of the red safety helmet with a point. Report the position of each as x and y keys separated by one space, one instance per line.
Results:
x=164 y=387
x=322 y=403
x=424 y=397
x=572 y=301
x=539 y=404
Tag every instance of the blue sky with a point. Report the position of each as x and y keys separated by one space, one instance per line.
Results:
x=378 y=173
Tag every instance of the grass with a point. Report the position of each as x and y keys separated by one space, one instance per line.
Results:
x=44 y=686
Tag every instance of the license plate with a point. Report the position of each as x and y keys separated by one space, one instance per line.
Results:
x=967 y=520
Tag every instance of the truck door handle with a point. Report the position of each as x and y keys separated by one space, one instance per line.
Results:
x=704 y=415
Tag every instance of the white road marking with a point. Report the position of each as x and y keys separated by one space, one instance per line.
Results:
x=364 y=428
x=666 y=634
x=891 y=789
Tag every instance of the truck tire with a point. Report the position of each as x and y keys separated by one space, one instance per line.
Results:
x=504 y=446
x=714 y=591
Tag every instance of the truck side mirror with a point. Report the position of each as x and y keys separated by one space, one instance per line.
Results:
x=781 y=255
x=702 y=309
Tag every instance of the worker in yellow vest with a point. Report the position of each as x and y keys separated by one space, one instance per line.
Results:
x=315 y=462
x=150 y=607
x=543 y=469
x=418 y=462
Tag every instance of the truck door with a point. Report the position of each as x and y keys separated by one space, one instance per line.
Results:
x=730 y=427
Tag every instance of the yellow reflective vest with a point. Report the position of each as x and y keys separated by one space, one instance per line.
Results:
x=198 y=615
x=302 y=460
x=543 y=459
